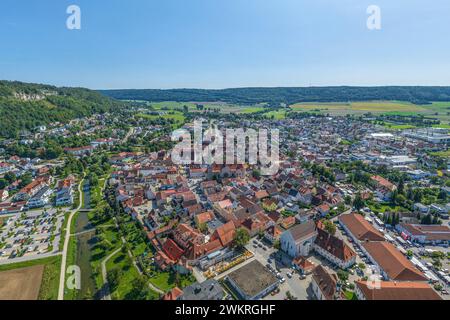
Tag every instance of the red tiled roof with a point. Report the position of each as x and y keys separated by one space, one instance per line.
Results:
x=172 y=250
x=360 y=227
x=393 y=262
x=391 y=290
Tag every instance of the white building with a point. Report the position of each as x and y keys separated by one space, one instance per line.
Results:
x=299 y=240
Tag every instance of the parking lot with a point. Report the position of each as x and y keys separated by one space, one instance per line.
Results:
x=404 y=246
x=31 y=233
x=280 y=265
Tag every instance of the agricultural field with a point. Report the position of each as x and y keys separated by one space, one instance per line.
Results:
x=439 y=110
x=443 y=154
x=21 y=284
x=31 y=280
x=174 y=115
x=222 y=106
x=276 y=115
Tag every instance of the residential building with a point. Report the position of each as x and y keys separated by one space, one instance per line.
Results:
x=392 y=290
x=359 y=228
x=207 y=290
x=392 y=264
x=334 y=249
x=324 y=284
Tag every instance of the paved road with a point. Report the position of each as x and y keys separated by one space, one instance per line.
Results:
x=66 y=245
x=127 y=136
x=107 y=293
x=297 y=287
x=29 y=258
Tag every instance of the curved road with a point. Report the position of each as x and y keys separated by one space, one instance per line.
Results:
x=66 y=244
x=107 y=294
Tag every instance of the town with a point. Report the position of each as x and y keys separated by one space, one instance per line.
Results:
x=357 y=210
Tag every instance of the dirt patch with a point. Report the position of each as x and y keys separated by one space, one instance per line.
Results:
x=21 y=284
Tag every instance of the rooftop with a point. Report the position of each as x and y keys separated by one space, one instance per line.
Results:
x=394 y=263
x=252 y=278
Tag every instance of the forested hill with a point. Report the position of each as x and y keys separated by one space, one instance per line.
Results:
x=418 y=95
x=26 y=105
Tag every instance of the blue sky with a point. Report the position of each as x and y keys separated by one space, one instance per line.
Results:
x=225 y=43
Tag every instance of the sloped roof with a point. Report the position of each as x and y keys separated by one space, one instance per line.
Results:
x=360 y=227
x=334 y=245
x=393 y=262
x=325 y=281
x=391 y=290
x=172 y=250
x=304 y=230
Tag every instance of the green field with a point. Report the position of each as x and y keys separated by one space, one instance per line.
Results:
x=174 y=115
x=438 y=110
x=443 y=154
x=395 y=126
x=276 y=115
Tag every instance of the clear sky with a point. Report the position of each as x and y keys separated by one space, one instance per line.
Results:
x=225 y=43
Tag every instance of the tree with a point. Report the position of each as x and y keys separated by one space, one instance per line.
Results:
x=88 y=295
x=139 y=289
x=10 y=177
x=348 y=200
x=203 y=227
x=3 y=183
x=342 y=275
x=358 y=203
x=426 y=219
x=256 y=174
x=442 y=195
x=241 y=238
x=409 y=254
x=437 y=263
x=277 y=244
x=330 y=227
x=113 y=279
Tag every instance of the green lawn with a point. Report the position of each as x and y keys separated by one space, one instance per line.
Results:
x=128 y=274
x=167 y=280
x=382 y=208
x=71 y=260
x=350 y=295
x=444 y=154
x=110 y=241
